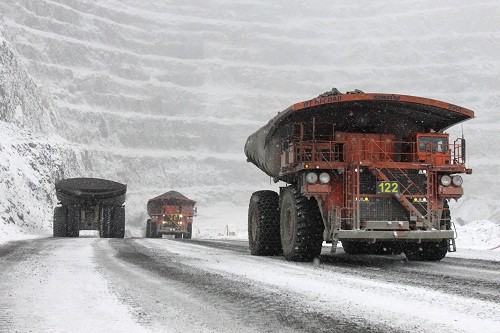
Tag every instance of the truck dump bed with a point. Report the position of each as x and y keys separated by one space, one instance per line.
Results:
x=401 y=115
x=90 y=190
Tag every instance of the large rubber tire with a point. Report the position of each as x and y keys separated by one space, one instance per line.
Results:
x=301 y=226
x=431 y=251
x=73 y=221
x=105 y=218
x=387 y=248
x=148 y=228
x=118 y=225
x=59 y=223
x=152 y=230
x=264 y=224
x=189 y=233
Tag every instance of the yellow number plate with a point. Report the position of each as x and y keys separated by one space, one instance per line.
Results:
x=387 y=187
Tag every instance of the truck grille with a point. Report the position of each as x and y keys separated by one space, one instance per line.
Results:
x=383 y=209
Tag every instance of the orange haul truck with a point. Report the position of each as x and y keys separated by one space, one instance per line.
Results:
x=170 y=214
x=373 y=171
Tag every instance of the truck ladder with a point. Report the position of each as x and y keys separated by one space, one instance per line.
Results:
x=377 y=172
x=351 y=179
x=401 y=198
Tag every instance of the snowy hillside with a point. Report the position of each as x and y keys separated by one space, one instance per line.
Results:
x=162 y=95
x=30 y=158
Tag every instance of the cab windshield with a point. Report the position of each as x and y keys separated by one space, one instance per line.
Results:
x=433 y=144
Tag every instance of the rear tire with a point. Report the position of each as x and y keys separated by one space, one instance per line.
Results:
x=301 y=226
x=264 y=224
x=59 y=223
x=118 y=225
x=73 y=222
x=105 y=222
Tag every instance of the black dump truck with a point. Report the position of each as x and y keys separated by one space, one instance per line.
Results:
x=89 y=204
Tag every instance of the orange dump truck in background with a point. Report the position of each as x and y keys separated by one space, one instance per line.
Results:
x=170 y=214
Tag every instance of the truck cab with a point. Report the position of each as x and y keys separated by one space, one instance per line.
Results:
x=433 y=148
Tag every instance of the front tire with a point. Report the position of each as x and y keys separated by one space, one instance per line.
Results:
x=301 y=226
x=189 y=233
x=154 y=234
x=263 y=224
x=149 y=228
x=431 y=251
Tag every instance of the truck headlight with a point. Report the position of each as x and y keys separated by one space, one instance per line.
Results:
x=324 y=177
x=446 y=180
x=311 y=177
x=457 y=180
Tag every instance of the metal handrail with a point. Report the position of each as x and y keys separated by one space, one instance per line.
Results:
x=335 y=151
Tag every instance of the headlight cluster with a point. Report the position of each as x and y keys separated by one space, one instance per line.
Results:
x=312 y=177
x=455 y=180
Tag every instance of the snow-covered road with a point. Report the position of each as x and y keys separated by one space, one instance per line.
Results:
x=160 y=285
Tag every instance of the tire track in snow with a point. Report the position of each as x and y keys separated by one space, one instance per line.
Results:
x=51 y=285
x=250 y=308
x=478 y=279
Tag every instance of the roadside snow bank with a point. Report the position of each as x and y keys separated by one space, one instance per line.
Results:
x=12 y=232
x=221 y=221
x=479 y=235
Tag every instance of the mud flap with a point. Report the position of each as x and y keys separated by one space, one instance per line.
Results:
x=451 y=245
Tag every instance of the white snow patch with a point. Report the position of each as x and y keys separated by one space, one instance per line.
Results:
x=18 y=113
x=222 y=221
x=12 y=232
x=479 y=235
x=51 y=301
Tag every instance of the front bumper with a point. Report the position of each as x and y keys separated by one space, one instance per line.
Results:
x=171 y=231
x=395 y=235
